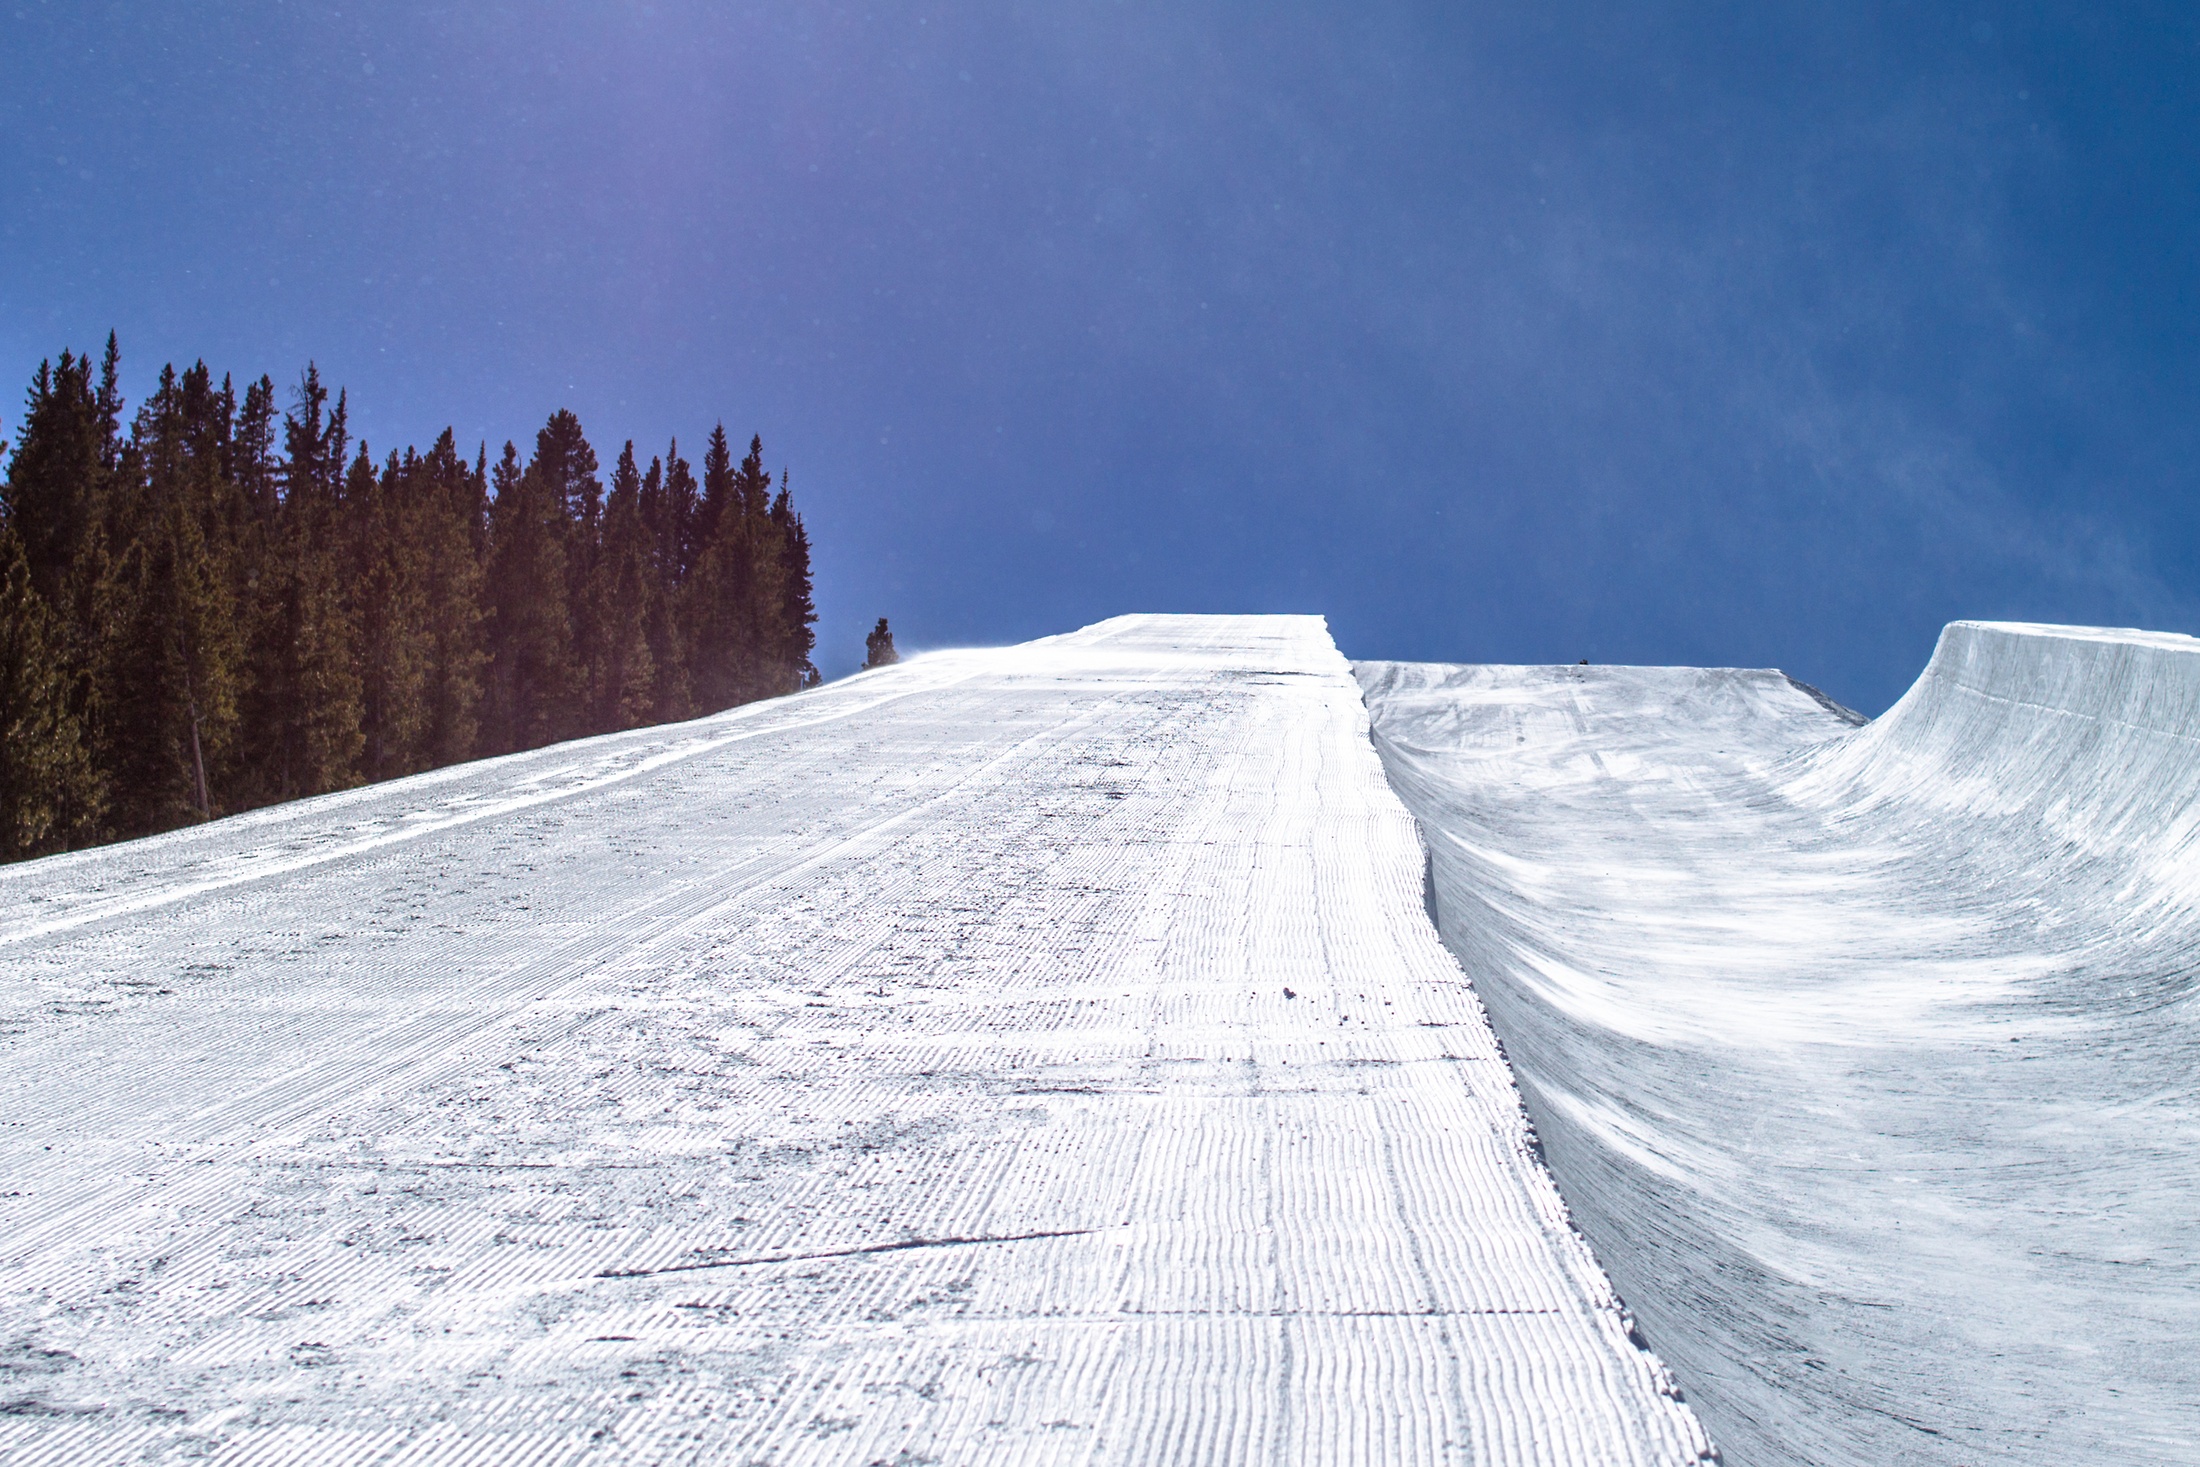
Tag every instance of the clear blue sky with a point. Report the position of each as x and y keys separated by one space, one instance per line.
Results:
x=1736 y=334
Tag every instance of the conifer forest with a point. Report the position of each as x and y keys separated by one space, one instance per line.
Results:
x=226 y=602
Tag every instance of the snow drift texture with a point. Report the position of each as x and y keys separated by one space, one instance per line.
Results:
x=1026 y=1056
x=1866 y=1056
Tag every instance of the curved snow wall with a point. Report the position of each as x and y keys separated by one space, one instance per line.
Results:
x=1866 y=1057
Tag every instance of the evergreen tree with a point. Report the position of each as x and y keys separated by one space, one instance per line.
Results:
x=624 y=592
x=168 y=664
x=878 y=648
x=477 y=506
x=303 y=725
x=195 y=619
x=567 y=467
x=678 y=522
x=718 y=590
x=741 y=594
x=390 y=610
x=449 y=525
x=254 y=561
x=667 y=507
x=718 y=492
x=530 y=629
x=55 y=502
x=266 y=600
x=48 y=795
x=764 y=639
x=252 y=454
x=797 y=612
x=57 y=478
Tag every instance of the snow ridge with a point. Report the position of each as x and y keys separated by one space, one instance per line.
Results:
x=1866 y=1058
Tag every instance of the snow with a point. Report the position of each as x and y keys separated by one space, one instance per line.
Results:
x=1866 y=1057
x=1032 y=1055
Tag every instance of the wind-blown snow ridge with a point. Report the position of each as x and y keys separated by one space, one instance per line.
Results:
x=1036 y=1055
x=1868 y=1059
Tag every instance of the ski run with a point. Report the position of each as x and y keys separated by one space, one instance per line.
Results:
x=1076 y=1053
x=1032 y=1055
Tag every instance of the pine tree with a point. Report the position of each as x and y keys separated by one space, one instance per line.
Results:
x=764 y=637
x=797 y=599
x=331 y=737
x=168 y=663
x=878 y=648
x=718 y=492
x=623 y=595
x=55 y=501
x=57 y=480
x=679 y=522
x=530 y=627
x=195 y=619
x=667 y=507
x=567 y=468
x=252 y=453
x=449 y=523
x=746 y=598
x=477 y=505
x=303 y=723
x=264 y=596
x=718 y=591
x=390 y=610
x=256 y=521
x=48 y=795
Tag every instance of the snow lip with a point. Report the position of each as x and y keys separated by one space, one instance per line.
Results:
x=2128 y=636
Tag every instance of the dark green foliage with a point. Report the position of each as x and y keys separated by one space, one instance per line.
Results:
x=197 y=618
x=878 y=648
x=168 y=653
x=530 y=618
x=797 y=610
x=668 y=503
x=716 y=591
x=389 y=593
x=47 y=792
x=58 y=478
x=623 y=586
x=449 y=524
x=749 y=622
x=303 y=727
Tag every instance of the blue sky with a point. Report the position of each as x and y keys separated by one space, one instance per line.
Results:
x=1730 y=334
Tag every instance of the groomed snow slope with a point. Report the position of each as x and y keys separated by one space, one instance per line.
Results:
x=1868 y=1058
x=1036 y=1055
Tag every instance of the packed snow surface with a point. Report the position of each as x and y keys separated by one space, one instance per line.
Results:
x=1868 y=1057
x=1035 y=1055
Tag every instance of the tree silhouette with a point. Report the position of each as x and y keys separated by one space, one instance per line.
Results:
x=230 y=605
x=878 y=648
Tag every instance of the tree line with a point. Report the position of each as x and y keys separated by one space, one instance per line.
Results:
x=228 y=602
